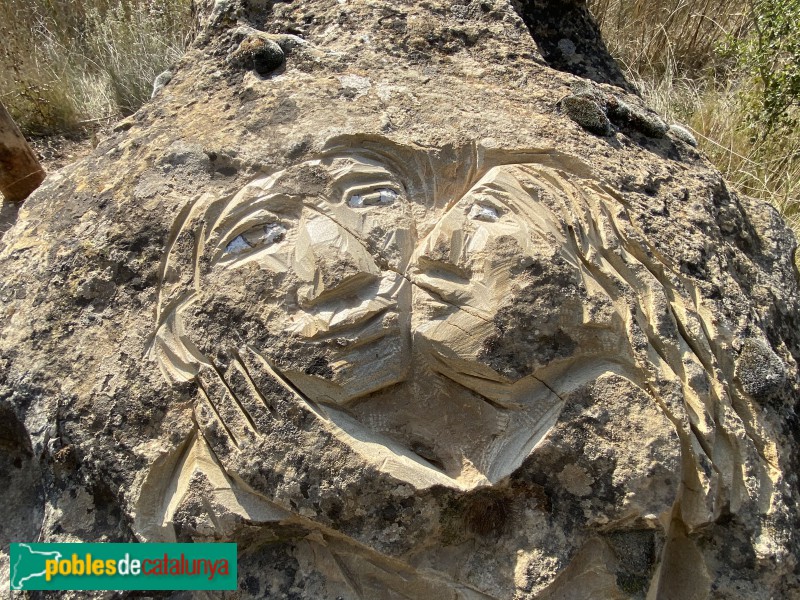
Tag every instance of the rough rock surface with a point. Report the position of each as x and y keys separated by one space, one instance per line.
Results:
x=355 y=292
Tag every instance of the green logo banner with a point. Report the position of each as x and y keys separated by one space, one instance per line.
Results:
x=123 y=567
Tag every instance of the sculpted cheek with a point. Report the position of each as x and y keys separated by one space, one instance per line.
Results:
x=235 y=306
x=533 y=325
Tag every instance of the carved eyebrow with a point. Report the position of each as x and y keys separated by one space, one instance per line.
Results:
x=362 y=177
x=266 y=193
x=246 y=218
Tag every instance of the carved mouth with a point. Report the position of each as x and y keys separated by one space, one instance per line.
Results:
x=352 y=313
x=349 y=329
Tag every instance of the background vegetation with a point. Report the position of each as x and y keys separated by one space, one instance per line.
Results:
x=727 y=69
x=67 y=64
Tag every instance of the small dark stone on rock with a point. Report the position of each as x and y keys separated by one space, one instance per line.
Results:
x=637 y=118
x=760 y=371
x=683 y=134
x=259 y=54
x=586 y=112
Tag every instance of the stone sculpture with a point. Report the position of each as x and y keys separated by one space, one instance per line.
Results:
x=397 y=353
x=386 y=288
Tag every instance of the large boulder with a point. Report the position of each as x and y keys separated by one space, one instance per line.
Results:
x=376 y=291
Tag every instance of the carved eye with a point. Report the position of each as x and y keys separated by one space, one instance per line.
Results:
x=257 y=237
x=377 y=197
x=480 y=212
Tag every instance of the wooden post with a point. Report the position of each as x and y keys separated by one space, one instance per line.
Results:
x=20 y=171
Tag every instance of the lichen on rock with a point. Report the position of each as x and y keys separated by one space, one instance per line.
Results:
x=760 y=371
x=258 y=53
x=683 y=134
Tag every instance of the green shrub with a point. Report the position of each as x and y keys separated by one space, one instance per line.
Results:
x=770 y=55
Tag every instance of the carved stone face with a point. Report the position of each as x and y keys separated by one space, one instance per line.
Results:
x=433 y=309
x=436 y=321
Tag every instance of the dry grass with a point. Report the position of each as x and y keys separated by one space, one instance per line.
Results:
x=65 y=64
x=674 y=51
x=654 y=36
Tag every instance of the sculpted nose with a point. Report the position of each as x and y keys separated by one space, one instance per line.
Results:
x=342 y=289
x=440 y=266
x=330 y=262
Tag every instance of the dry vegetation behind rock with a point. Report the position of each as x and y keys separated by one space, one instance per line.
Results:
x=714 y=65
x=66 y=67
